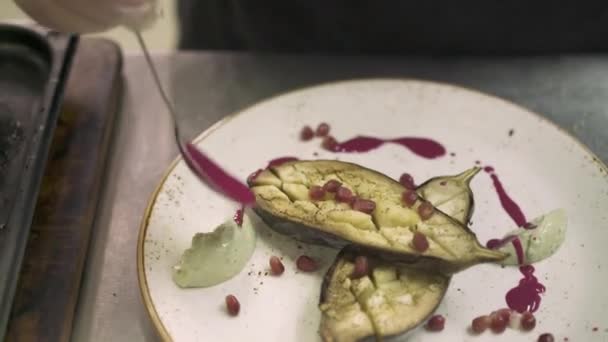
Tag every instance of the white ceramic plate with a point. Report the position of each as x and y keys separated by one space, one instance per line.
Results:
x=541 y=167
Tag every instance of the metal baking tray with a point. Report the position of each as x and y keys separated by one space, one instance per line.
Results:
x=34 y=64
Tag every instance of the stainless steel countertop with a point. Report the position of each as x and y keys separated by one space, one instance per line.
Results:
x=571 y=91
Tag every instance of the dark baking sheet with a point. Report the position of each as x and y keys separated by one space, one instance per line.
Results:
x=33 y=66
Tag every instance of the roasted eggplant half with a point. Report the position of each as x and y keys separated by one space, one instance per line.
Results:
x=283 y=200
x=451 y=194
x=387 y=301
x=346 y=317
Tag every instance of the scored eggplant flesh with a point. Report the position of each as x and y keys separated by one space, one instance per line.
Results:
x=387 y=302
x=282 y=201
x=345 y=317
x=451 y=194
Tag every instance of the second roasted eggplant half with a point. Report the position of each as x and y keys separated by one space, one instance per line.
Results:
x=385 y=301
x=338 y=203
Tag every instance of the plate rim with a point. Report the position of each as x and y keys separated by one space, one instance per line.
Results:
x=144 y=291
x=142 y=282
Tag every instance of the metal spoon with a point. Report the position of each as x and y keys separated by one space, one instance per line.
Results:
x=202 y=166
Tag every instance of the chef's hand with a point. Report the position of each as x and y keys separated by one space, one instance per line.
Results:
x=87 y=16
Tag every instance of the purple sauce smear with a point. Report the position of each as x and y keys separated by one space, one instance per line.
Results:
x=216 y=178
x=526 y=295
x=423 y=147
x=518 y=250
x=508 y=204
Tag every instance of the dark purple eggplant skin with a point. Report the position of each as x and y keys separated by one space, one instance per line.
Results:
x=309 y=235
x=300 y=232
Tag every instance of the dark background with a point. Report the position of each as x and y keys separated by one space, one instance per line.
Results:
x=396 y=27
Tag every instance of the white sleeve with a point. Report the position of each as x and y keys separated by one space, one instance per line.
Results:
x=87 y=16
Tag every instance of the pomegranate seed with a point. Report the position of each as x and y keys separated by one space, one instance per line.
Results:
x=322 y=129
x=330 y=144
x=436 y=323
x=528 y=321
x=420 y=242
x=306 y=133
x=407 y=181
x=409 y=197
x=363 y=205
x=316 y=193
x=425 y=210
x=361 y=267
x=546 y=337
x=306 y=264
x=332 y=185
x=505 y=313
x=498 y=324
x=276 y=266
x=344 y=195
x=480 y=324
x=232 y=305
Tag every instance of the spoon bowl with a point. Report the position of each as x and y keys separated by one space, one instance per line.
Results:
x=208 y=171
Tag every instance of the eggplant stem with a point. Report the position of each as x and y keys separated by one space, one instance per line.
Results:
x=489 y=254
x=467 y=175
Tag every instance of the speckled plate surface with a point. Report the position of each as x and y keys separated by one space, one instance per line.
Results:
x=541 y=167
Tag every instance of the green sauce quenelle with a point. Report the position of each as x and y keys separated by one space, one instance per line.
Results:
x=228 y=245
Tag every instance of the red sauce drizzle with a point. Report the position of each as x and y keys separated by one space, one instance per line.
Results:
x=526 y=295
x=510 y=207
x=217 y=178
x=518 y=250
x=422 y=147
